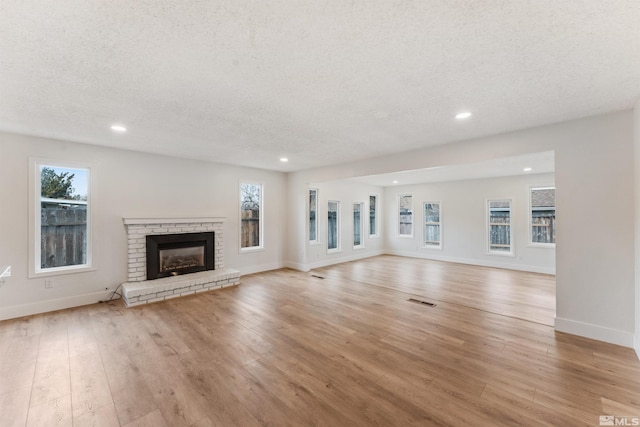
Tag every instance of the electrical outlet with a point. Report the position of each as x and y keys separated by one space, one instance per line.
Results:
x=48 y=283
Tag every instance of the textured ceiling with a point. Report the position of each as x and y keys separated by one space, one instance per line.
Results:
x=534 y=163
x=321 y=82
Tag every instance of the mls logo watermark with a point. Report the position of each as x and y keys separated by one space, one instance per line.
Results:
x=612 y=420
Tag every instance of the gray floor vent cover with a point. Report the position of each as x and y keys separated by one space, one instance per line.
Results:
x=417 y=301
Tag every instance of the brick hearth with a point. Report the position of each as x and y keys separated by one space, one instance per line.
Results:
x=137 y=290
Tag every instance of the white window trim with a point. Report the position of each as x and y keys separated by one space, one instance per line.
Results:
x=413 y=219
x=362 y=211
x=317 y=241
x=35 y=219
x=377 y=220
x=530 y=243
x=261 y=222
x=424 y=225
x=511 y=252
x=338 y=247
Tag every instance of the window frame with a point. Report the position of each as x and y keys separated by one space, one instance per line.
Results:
x=35 y=218
x=260 y=246
x=530 y=215
x=376 y=218
x=338 y=247
x=361 y=206
x=511 y=251
x=398 y=223
x=425 y=245
x=317 y=230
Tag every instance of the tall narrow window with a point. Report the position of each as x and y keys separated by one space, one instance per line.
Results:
x=432 y=230
x=62 y=227
x=373 y=215
x=405 y=215
x=358 y=208
x=313 y=212
x=251 y=217
x=333 y=227
x=499 y=213
x=543 y=215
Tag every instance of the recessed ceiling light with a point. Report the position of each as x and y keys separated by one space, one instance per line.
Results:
x=395 y=182
x=284 y=159
x=527 y=169
x=118 y=128
x=463 y=115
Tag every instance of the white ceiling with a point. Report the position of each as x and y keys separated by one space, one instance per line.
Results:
x=535 y=163
x=321 y=82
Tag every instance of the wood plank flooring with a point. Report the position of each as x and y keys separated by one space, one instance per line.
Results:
x=511 y=293
x=288 y=349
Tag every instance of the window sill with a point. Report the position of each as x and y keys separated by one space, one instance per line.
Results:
x=59 y=271
x=333 y=251
x=431 y=248
x=542 y=245
x=252 y=249
x=505 y=254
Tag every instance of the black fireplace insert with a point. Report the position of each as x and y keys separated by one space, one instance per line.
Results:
x=175 y=254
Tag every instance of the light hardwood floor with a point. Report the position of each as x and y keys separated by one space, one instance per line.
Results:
x=286 y=348
x=510 y=293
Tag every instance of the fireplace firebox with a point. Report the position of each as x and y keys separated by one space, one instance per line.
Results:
x=175 y=254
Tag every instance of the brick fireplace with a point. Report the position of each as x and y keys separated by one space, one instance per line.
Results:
x=139 y=290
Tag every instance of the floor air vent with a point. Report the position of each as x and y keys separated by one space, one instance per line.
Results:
x=417 y=301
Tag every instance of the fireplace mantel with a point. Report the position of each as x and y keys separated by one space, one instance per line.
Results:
x=182 y=220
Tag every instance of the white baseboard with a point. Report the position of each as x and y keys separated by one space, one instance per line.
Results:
x=12 y=312
x=15 y=311
x=341 y=259
x=482 y=263
x=600 y=333
x=296 y=266
x=636 y=344
x=250 y=269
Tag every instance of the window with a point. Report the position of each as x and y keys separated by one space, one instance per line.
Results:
x=405 y=215
x=432 y=230
x=499 y=213
x=313 y=212
x=358 y=225
x=373 y=215
x=251 y=218
x=543 y=215
x=62 y=226
x=333 y=227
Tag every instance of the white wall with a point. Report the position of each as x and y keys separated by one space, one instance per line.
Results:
x=594 y=181
x=463 y=222
x=636 y=135
x=347 y=193
x=126 y=184
x=595 y=269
